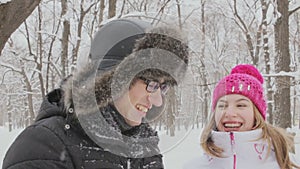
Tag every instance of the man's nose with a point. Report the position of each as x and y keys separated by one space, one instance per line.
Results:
x=156 y=98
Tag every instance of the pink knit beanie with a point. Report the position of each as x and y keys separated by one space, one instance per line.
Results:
x=246 y=80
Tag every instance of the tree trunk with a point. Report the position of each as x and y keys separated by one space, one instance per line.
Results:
x=282 y=113
x=65 y=47
x=65 y=40
x=171 y=111
x=112 y=8
x=245 y=29
x=9 y=109
x=12 y=15
x=101 y=11
x=203 y=72
x=30 y=116
x=294 y=102
x=79 y=30
x=47 y=65
x=297 y=58
x=266 y=53
x=179 y=14
x=39 y=57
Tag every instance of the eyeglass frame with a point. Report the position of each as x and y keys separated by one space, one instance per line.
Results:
x=164 y=87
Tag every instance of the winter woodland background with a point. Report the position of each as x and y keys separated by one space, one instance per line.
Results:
x=44 y=40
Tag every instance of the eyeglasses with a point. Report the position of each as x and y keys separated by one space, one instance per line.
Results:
x=152 y=86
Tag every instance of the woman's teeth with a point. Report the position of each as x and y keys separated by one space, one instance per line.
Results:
x=232 y=125
x=142 y=108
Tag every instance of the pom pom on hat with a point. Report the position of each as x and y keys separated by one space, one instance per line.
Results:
x=245 y=80
x=248 y=69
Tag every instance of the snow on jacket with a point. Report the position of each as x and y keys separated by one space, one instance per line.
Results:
x=242 y=150
x=57 y=140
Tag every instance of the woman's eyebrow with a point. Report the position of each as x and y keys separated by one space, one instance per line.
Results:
x=242 y=99
x=225 y=101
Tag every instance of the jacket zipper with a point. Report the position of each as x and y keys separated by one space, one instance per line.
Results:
x=233 y=149
x=128 y=164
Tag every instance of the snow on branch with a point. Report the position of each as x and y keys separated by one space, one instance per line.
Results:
x=4 y=1
x=283 y=73
x=9 y=66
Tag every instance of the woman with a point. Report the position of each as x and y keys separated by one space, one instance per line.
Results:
x=237 y=136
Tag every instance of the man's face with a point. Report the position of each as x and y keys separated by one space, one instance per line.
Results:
x=134 y=104
x=234 y=113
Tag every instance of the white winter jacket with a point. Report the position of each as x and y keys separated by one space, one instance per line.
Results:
x=242 y=150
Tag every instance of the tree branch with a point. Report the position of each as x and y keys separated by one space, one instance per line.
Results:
x=12 y=15
x=11 y=67
x=294 y=10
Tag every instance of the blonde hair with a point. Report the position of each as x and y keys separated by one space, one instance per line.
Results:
x=276 y=137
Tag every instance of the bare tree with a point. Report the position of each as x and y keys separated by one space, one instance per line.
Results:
x=295 y=56
x=112 y=8
x=38 y=58
x=282 y=61
x=83 y=13
x=11 y=18
x=264 y=28
x=9 y=113
x=202 y=68
x=171 y=112
x=282 y=101
x=101 y=11
x=253 y=51
x=295 y=40
x=49 y=56
x=29 y=116
x=65 y=39
x=98 y=17
x=179 y=14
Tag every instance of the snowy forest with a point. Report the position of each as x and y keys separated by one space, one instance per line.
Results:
x=42 y=42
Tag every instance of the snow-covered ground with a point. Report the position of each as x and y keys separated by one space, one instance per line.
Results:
x=177 y=150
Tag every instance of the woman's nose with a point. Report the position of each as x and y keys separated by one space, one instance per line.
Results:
x=156 y=98
x=230 y=111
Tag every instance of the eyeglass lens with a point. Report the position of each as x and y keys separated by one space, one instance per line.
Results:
x=153 y=86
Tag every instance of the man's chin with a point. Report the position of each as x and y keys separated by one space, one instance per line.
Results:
x=134 y=123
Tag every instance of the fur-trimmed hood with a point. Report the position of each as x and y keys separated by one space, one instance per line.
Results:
x=160 y=53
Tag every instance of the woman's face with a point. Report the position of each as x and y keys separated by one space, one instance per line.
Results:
x=234 y=112
x=134 y=104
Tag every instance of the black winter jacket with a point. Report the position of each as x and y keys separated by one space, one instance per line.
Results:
x=57 y=140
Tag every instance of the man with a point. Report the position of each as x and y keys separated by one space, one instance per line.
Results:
x=98 y=118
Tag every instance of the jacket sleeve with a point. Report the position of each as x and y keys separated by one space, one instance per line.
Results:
x=37 y=147
x=153 y=162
